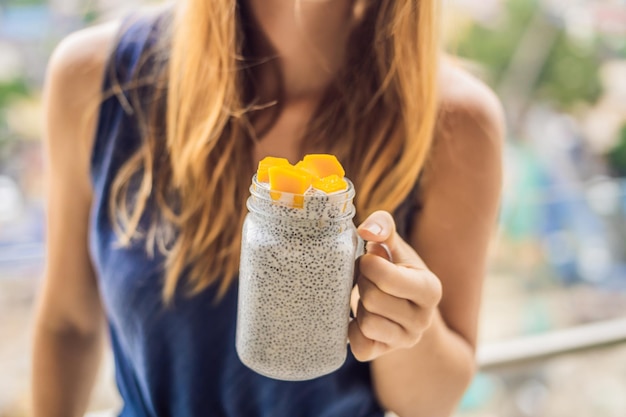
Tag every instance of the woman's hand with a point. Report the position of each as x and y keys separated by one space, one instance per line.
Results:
x=396 y=295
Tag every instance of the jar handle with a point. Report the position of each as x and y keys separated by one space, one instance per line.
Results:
x=360 y=248
x=360 y=245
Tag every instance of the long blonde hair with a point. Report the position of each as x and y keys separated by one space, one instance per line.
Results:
x=195 y=161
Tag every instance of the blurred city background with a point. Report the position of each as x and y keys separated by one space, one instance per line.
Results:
x=555 y=295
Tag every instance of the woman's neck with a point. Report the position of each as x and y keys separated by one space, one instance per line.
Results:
x=309 y=38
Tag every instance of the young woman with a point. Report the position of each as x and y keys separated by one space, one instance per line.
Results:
x=146 y=199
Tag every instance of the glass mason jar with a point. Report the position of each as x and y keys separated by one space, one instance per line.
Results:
x=295 y=279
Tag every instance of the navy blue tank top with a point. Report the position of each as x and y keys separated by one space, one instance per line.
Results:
x=180 y=360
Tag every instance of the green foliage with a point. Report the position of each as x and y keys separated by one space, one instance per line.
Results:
x=90 y=16
x=9 y=91
x=12 y=89
x=615 y=45
x=23 y=2
x=570 y=73
x=494 y=46
x=617 y=156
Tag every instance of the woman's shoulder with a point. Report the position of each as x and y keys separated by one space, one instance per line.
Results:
x=73 y=89
x=80 y=60
x=466 y=103
x=468 y=140
x=77 y=63
x=81 y=72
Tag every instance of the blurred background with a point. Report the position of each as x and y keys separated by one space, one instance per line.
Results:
x=553 y=325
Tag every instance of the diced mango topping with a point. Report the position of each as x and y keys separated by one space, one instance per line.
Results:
x=330 y=184
x=288 y=179
x=322 y=171
x=323 y=165
x=267 y=162
x=308 y=169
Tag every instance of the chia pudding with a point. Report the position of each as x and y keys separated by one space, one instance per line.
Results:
x=295 y=278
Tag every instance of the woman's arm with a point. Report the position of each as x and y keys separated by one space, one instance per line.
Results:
x=68 y=326
x=419 y=312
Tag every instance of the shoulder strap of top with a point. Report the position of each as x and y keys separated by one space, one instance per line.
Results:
x=137 y=35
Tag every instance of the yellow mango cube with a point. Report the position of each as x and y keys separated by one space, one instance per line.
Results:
x=323 y=165
x=330 y=184
x=308 y=169
x=262 y=174
x=288 y=179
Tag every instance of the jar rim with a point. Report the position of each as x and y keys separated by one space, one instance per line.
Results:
x=259 y=190
x=318 y=206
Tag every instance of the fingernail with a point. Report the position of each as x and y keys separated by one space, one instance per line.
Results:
x=373 y=228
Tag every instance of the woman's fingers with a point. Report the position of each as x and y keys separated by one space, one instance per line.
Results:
x=393 y=265
x=376 y=301
x=395 y=294
x=383 y=322
x=380 y=228
x=363 y=348
x=379 y=328
x=417 y=285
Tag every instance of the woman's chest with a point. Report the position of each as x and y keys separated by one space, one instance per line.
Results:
x=284 y=135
